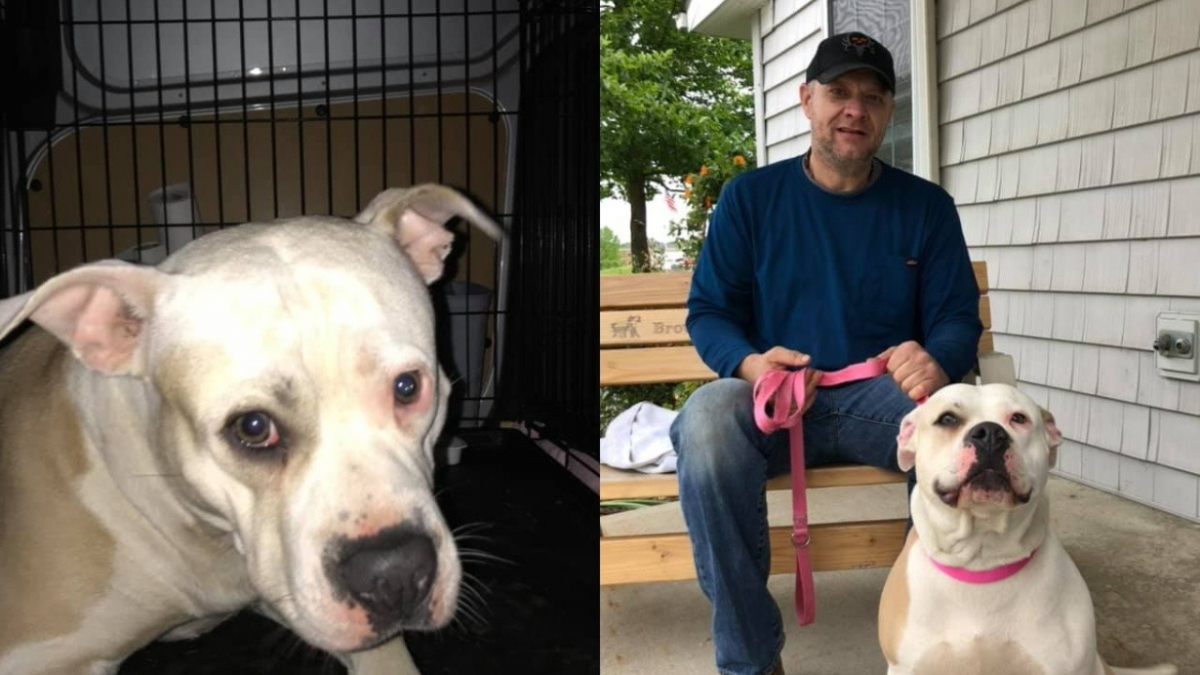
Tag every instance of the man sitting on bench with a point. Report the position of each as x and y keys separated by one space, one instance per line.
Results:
x=823 y=261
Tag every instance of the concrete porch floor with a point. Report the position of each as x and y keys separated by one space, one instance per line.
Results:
x=1141 y=565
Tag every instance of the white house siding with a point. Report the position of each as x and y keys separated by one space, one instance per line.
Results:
x=1070 y=139
x=788 y=33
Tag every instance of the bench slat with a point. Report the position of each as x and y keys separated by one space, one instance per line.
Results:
x=652 y=365
x=622 y=484
x=645 y=327
x=655 y=289
x=670 y=289
x=981 y=280
x=635 y=327
x=835 y=546
x=655 y=365
x=986 y=345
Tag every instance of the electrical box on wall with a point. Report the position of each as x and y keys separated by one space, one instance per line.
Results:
x=1175 y=345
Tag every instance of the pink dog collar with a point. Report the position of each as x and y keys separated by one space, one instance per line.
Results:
x=982 y=576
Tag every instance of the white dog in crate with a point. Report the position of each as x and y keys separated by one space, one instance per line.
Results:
x=251 y=423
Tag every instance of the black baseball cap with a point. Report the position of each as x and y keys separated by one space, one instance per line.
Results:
x=839 y=54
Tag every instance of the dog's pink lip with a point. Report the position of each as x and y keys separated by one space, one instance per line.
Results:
x=951 y=496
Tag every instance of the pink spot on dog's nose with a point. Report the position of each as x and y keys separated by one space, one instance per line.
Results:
x=966 y=460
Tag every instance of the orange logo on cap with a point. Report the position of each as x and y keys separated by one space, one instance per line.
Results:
x=860 y=44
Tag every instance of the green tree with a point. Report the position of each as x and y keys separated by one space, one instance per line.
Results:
x=610 y=249
x=669 y=100
x=702 y=190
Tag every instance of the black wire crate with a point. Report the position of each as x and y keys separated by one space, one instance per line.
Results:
x=144 y=124
x=130 y=128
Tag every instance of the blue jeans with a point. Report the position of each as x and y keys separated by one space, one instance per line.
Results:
x=724 y=463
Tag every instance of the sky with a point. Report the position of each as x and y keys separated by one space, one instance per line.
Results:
x=614 y=214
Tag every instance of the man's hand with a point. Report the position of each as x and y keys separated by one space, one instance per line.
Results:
x=914 y=370
x=781 y=358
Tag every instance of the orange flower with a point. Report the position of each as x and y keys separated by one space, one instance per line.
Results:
x=703 y=170
x=687 y=194
x=738 y=160
x=688 y=180
x=708 y=202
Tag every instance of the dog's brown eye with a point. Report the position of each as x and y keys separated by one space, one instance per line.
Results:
x=1019 y=418
x=255 y=430
x=407 y=387
x=947 y=420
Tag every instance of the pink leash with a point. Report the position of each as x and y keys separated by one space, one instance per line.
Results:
x=784 y=391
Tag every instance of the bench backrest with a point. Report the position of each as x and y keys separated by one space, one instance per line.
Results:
x=642 y=335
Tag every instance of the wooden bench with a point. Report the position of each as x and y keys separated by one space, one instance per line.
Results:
x=643 y=341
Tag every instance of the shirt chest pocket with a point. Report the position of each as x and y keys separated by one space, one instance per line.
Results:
x=889 y=291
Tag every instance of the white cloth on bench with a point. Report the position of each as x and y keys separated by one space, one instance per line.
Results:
x=637 y=439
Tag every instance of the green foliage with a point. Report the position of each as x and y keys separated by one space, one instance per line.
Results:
x=703 y=189
x=669 y=100
x=610 y=249
x=615 y=400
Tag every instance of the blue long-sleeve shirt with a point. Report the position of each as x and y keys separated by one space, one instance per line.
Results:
x=838 y=277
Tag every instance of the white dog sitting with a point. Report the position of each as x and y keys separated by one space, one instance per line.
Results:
x=249 y=424
x=983 y=586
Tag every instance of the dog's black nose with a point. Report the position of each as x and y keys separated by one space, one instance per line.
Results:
x=988 y=437
x=390 y=574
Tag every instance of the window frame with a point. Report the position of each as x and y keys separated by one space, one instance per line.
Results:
x=923 y=96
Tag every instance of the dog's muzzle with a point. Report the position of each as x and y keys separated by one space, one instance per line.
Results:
x=389 y=574
x=990 y=471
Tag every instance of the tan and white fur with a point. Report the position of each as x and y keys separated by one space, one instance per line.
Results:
x=983 y=456
x=250 y=424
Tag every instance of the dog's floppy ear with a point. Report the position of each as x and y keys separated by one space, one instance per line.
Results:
x=98 y=310
x=1053 y=435
x=417 y=216
x=906 y=442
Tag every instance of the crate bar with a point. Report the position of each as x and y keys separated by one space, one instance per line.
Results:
x=357 y=160
x=133 y=135
x=383 y=87
x=162 y=121
x=522 y=224
x=412 y=107
x=273 y=120
x=245 y=112
x=108 y=196
x=86 y=124
x=501 y=299
x=469 y=313
x=437 y=49
x=78 y=149
x=300 y=108
x=379 y=15
x=21 y=214
x=187 y=97
x=328 y=123
x=8 y=210
x=216 y=105
x=54 y=224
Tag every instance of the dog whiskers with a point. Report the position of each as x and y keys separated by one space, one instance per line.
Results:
x=471 y=527
x=469 y=533
x=471 y=593
x=468 y=618
x=476 y=555
x=469 y=611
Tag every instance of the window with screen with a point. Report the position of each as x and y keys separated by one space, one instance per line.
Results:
x=888 y=21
